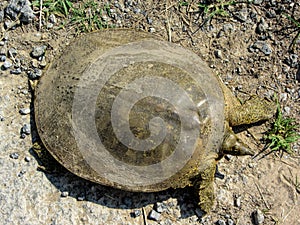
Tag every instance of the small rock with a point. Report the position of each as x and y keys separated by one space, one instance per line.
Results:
x=24 y=111
x=237 y=201
x=149 y=20
x=14 y=155
x=242 y=15
x=153 y=215
x=283 y=97
x=35 y=74
x=35 y=63
x=218 y=53
x=230 y=222
x=160 y=207
x=21 y=9
x=64 y=194
x=80 y=198
x=151 y=29
x=258 y=2
x=271 y=13
x=12 y=52
x=27 y=159
x=287 y=110
x=2 y=58
x=136 y=213
x=6 y=65
x=262 y=26
x=21 y=173
x=220 y=222
x=38 y=51
x=258 y=217
x=263 y=47
x=52 y=19
x=26 y=129
x=16 y=71
x=43 y=62
x=292 y=60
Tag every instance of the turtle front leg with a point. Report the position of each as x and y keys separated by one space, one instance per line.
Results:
x=254 y=110
x=205 y=186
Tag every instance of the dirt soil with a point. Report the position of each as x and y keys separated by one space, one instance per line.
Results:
x=252 y=51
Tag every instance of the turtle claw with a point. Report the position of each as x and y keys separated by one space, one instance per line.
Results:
x=233 y=146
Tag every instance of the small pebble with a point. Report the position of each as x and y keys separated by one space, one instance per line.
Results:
x=151 y=29
x=258 y=217
x=160 y=207
x=12 y=52
x=2 y=58
x=136 y=213
x=6 y=65
x=21 y=173
x=242 y=15
x=26 y=129
x=52 y=19
x=218 y=53
x=230 y=222
x=24 y=111
x=263 y=47
x=35 y=74
x=153 y=215
x=27 y=159
x=14 y=155
x=287 y=110
x=80 y=198
x=38 y=51
x=64 y=194
x=221 y=222
x=16 y=71
x=237 y=201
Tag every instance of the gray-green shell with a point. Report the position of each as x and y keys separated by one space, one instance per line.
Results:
x=99 y=110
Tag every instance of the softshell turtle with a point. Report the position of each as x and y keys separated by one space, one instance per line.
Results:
x=125 y=109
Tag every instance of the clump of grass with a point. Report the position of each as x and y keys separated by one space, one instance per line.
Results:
x=89 y=16
x=282 y=134
x=58 y=7
x=211 y=8
x=85 y=16
x=216 y=8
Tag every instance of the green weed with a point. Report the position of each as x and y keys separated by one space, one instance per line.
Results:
x=216 y=8
x=282 y=134
x=58 y=7
x=85 y=16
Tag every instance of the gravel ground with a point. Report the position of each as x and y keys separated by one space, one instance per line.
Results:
x=250 y=49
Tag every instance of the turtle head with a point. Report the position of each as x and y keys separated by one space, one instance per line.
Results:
x=233 y=146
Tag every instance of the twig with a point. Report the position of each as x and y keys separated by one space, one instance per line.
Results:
x=168 y=24
x=40 y=17
x=266 y=204
x=288 y=213
x=144 y=216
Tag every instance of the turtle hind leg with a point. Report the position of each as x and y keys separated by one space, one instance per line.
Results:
x=204 y=186
x=253 y=110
